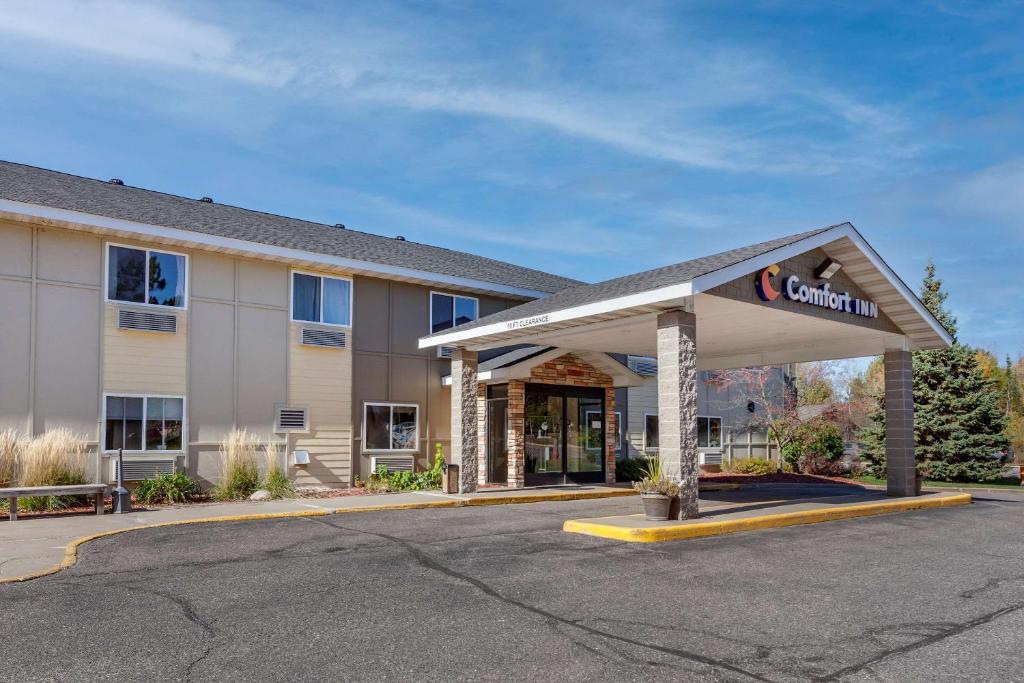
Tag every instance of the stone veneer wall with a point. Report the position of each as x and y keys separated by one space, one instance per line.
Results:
x=567 y=370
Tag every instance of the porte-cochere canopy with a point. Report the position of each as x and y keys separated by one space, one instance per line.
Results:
x=818 y=295
x=738 y=328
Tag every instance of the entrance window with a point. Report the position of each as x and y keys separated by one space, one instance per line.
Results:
x=564 y=434
x=497 y=433
x=390 y=427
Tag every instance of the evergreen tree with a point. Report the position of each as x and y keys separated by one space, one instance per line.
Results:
x=959 y=416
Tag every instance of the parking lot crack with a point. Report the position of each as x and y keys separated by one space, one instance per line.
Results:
x=429 y=562
x=942 y=632
x=189 y=613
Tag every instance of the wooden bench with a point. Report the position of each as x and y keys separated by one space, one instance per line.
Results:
x=12 y=494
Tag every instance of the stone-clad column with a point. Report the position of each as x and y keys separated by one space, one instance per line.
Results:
x=464 y=419
x=900 y=464
x=677 y=405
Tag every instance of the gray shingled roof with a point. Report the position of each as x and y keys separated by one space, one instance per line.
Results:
x=42 y=187
x=639 y=282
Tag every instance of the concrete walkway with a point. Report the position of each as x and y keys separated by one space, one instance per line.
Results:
x=34 y=545
x=727 y=518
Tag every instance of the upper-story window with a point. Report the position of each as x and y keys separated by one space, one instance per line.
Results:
x=321 y=299
x=146 y=276
x=449 y=310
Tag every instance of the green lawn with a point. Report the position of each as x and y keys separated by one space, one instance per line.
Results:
x=1003 y=484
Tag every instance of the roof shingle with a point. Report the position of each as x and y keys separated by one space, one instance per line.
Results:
x=639 y=282
x=42 y=187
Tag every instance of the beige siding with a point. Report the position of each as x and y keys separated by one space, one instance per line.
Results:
x=211 y=370
x=15 y=250
x=144 y=362
x=67 y=359
x=15 y=344
x=320 y=380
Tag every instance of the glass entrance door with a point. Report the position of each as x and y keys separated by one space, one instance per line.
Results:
x=564 y=436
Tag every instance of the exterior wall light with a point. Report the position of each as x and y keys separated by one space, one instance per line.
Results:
x=827 y=269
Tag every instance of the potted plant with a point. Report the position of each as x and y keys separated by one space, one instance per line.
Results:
x=656 y=491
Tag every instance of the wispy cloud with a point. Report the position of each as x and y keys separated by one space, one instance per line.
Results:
x=138 y=32
x=685 y=122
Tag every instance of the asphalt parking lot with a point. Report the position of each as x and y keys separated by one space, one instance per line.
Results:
x=499 y=593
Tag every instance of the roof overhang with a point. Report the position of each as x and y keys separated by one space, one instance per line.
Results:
x=103 y=225
x=626 y=324
x=497 y=371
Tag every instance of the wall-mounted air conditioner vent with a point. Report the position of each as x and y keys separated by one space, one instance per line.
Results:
x=292 y=420
x=333 y=339
x=445 y=351
x=393 y=463
x=711 y=458
x=643 y=365
x=137 y=470
x=130 y=319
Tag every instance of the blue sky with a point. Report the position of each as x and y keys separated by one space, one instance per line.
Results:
x=590 y=139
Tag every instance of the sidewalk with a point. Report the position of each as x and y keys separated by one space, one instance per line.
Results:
x=31 y=546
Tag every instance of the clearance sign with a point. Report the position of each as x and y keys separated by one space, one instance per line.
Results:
x=814 y=295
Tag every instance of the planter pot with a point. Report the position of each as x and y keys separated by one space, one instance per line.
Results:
x=656 y=506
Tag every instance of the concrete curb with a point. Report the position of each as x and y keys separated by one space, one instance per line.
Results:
x=71 y=550
x=719 y=528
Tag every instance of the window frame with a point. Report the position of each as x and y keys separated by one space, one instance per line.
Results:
x=618 y=431
x=648 y=449
x=321 y=276
x=392 y=405
x=721 y=432
x=147 y=250
x=430 y=314
x=145 y=411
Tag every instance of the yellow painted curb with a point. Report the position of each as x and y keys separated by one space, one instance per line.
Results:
x=71 y=550
x=704 y=529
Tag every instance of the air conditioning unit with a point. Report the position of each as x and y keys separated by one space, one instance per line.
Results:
x=146 y=321
x=445 y=351
x=392 y=463
x=712 y=458
x=137 y=470
x=332 y=339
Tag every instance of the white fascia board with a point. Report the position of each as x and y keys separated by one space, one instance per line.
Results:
x=256 y=248
x=527 y=324
x=706 y=282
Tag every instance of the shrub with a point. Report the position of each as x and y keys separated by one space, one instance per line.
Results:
x=630 y=469
x=275 y=477
x=54 y=458
x=240 y=472
x=818 y=442
x=980 y=471
x=10 y=453
x=383 y=481
x=812 y=463
x=166 y=488
x=757 y=466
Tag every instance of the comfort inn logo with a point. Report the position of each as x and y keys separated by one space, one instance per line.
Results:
x=765 y=286
x=815 y=295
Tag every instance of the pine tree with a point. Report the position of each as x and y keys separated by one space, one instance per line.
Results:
x=959 y=420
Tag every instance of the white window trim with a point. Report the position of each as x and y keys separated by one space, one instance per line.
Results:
x=618 y=429
x=721 y=432
x=144 y=397
x=430 y=320
x=644 y=433
x=291 y=298
x=161 y=307
x=392 y=405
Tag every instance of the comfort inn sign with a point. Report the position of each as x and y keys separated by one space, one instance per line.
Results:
x=813 y=295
